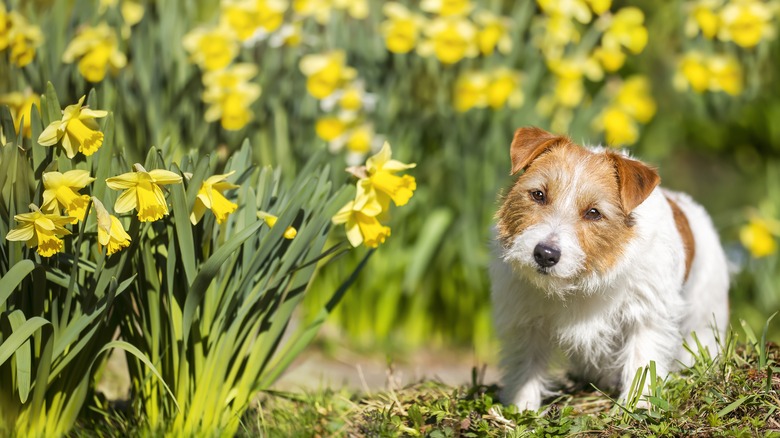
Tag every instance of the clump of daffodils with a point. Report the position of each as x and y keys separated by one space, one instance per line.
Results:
x=378 y=185
x=759 y=236
x=142 y=192
x=229 y=94
x=18 y=37
x=76 y=131
x=631 y=104
x=21 y=105
x=496 y=89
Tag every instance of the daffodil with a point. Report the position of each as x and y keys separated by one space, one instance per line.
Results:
x=77 y=130
x=5 y=26
x=240 y=16
x=504 y=89
x=326 y=72
x=270 y=220
x=746 y=22
x=360 y=138
x=61 y=190
x=351 y=99
x=577 y=9
x=619 y=127
x=142 y=192
x=319 y=9
x=447 y=8
x=357 y=9
x=110 y=232
x=552 y=33
x=450 y=39
x=21 y=105
x=493 y=33
x=712 y=73
x=211 y=48
x=626 y=29
x=610 y=57
x=362 y=225
x=229 y=95
x=725 y=74
x=471 y=90
x=97 y=49
x=599 y=6
x=636 y=98
x=290 y=34
x=693 y=72
x=22 y=38
x=330 y=128
x=703 y=17
x=757 y=237
x=382 y=180
x=41 y=230
x=132 y=10
x=401 y=29
x=210 y=197
x=569 y=89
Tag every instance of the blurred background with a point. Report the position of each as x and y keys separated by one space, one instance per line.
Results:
x=689 y=86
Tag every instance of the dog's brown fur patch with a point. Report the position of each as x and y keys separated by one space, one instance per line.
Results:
x=684 y=228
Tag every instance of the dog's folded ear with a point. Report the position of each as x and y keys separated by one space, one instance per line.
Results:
x=529 y=143
x=636 y=180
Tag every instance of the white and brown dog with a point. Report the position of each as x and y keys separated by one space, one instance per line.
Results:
x=596 y=260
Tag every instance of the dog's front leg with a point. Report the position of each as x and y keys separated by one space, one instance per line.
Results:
x=648 y=342
x=524 y=360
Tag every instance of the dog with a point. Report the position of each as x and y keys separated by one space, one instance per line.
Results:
x=593 y=258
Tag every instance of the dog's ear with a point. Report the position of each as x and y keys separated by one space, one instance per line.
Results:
x=636 y=180
x=529 y=143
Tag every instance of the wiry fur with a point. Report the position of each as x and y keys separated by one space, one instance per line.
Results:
x=617 y=298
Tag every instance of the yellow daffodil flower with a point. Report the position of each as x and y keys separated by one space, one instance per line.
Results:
x=210 y=197
x=359 y=139
x=471 y=90
x=97 y=49
x=446 y=8
x=330 y=128
x=703 y=17
x=362 y=225
x=450 y=39
x=746 y=22
x=241 y=17
x=270 y=220
x=381 y=169
x=110 y=232
x=401 y=29
x=757 y=237
x=229 y=95
x=319 y=9
x=61 y=190
x=626 y=29
x=77 y=130
x=142 y=192
x=132 y=10
x=725 y=74
x=270 y=14
x=619 y=127
x=577 y=9
x=357 y=9
x=211 y=48
x=504 y=88
x=21 y=37
x=693 y=72
x=599 y=6
x=636 y=99
x=493 y=33
x=5 y=26
x=611 y=57
x=41 y=230
x=21 y=105
x=553 y=33
x=290 y=34
x=325 y=72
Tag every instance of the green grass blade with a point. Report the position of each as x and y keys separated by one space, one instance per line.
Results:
x=14 y=277
x=20 y=336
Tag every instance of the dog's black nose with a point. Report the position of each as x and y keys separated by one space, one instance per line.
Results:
x=546 y=255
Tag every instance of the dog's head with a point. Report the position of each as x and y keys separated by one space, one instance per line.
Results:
x=568 y=215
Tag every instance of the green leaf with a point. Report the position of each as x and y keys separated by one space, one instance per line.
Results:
x=181 y=219
x=734 y=405
x=20 y=336
x=14 y=277
x=22 y=357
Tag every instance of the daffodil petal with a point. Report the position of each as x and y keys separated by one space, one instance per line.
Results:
x=123 y=181
x=77 y=178
x=25 y=232
x=126 y=201
x=50 y=135
x=353 y=234
x=161 y=176
x=198 y=210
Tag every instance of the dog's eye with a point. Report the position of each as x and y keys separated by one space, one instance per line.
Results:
x=592 y=215
x=538 y=196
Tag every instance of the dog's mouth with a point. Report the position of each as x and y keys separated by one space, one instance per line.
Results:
x=543 y=271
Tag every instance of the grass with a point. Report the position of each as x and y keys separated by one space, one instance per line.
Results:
x=734 y=394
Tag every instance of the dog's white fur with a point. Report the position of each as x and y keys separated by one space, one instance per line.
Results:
x=612 y=323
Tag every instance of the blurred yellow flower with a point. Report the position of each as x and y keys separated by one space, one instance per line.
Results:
x=619 y=127
x=382 y=181
x=97 y=49
x=22 y=37
x=493 y=33
x=210 y=197
x=713 y=73
x=240 y=16
x=401 y=29
x=211 y=48
x=270 y=220
x=326 y=72
x=599 y=6
x=330 y=128
x=504 y=88
x=110 y=232
x=726 y=74
x=77 y=129
x=229 y=95
x=362 y=225
x=626 y=29
x=577 y=9
x=447 y=8
x=359 y=138
x=132 y=10
x=569 y=89
x=553 y=33
x=746 y=22
x=471 y=91
x=319 y=9
x=756 y=236
x=270 y=14
x=5 y=26
x=693 y=72
x=611 y=57
x=61 y=190
x=703 y=17
x=636 y=99
x=357 y=9
x=450 y=39
x=142 y=192
x=41 y=230
x=21 y=105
